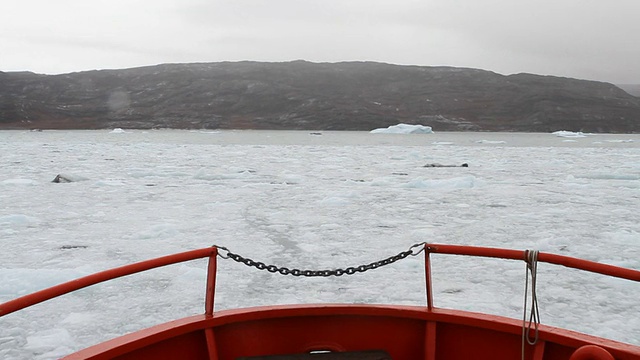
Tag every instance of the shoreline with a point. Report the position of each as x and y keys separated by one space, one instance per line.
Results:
x=328 y=138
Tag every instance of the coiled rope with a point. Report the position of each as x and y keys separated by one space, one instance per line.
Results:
x=531 y=259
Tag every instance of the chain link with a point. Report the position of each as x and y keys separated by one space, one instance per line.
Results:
x=413 y=251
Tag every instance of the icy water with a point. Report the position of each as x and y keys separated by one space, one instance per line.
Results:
x=310 y=200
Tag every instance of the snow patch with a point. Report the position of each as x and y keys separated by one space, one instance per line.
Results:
x=334 y=201
x=17 y=220
x=50 y=343
x=443 y=143
x=19 y=182
x=21 y=281
x=159 y=231
x=464 y=182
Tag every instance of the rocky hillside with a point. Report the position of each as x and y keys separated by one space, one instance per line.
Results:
x=313 y=96
x=633 y=89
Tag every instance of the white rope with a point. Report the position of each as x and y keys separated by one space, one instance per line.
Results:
x=531 y=258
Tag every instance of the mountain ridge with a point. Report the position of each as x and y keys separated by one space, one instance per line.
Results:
x=312 y=96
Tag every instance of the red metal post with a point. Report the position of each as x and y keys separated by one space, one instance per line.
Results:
x=427 y=275
x=211 y=283
x=430 y=341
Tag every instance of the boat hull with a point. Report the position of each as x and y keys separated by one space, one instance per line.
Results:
x=404 y=332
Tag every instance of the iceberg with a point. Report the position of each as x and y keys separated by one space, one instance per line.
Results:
x=404 y=129
x=569 y=134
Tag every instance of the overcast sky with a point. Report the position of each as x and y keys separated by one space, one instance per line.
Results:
x=586 y=39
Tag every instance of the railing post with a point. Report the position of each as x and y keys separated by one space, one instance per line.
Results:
x=211 y=283
x=427 y=273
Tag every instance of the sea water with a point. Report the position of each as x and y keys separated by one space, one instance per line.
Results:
x=310 y=200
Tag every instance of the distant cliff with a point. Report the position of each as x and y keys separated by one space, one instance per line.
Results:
x=312 y=96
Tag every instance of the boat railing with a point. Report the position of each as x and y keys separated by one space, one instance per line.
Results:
x=212 y=254
x=103 y=276
x=524 y=255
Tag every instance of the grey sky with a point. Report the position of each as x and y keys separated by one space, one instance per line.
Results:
x=586 y=39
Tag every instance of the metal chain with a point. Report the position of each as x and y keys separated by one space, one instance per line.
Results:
x=413 y=251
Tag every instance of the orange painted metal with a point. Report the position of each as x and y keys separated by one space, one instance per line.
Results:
x=591 y=352
x=399 y=330
x=73 y=285
x=212 y=270
x=405 y=332
x=428 y=283
x=567 y=261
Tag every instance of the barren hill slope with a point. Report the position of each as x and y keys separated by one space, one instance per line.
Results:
x=313 y=96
